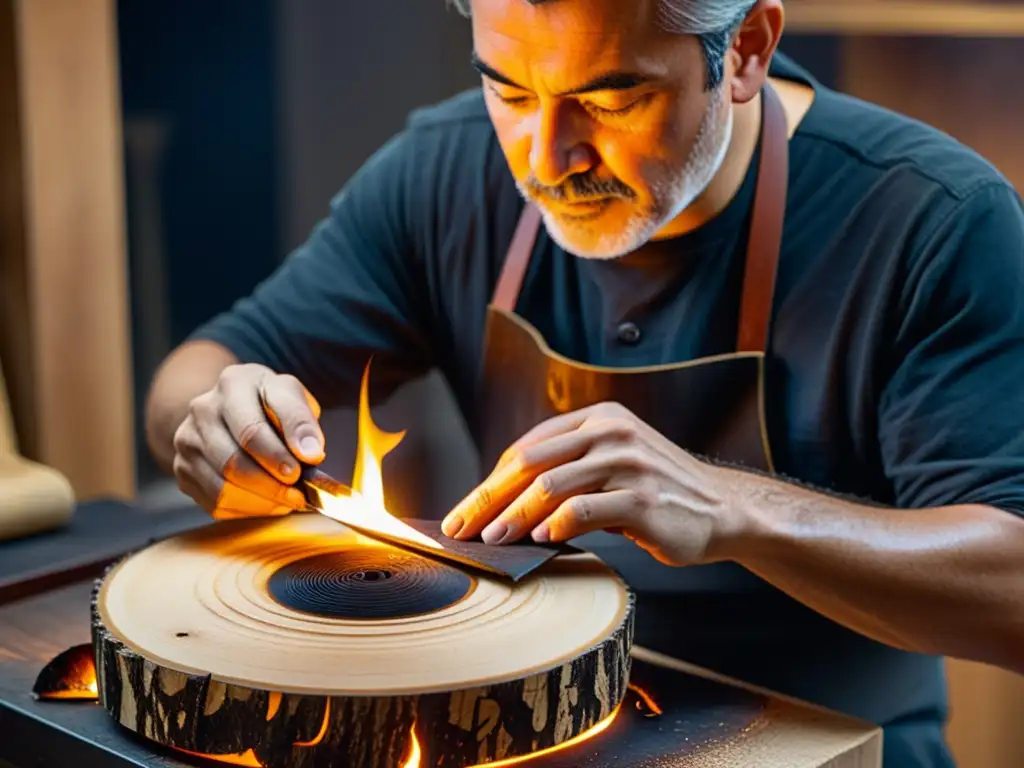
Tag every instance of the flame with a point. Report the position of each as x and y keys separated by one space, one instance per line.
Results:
x=323 y=728
x=645 y=700
x=247 y=758
x=414 y=760
x=415 y=753
x=365 y=507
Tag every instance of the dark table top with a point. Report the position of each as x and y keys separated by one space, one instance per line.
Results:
x=99 y=532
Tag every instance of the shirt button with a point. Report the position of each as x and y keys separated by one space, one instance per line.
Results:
x=628 y=333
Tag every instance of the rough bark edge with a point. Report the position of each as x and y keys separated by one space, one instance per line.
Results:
x=200 y=714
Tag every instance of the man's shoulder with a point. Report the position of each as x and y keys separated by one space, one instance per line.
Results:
x=465 y=110
x=882 y=142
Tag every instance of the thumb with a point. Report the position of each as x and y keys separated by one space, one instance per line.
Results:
x=295 y=413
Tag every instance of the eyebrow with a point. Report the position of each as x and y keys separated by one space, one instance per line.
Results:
x=610 y=81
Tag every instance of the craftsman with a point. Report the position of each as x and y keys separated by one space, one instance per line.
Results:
x=806 y=457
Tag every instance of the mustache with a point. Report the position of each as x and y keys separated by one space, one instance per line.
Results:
x=579 y=188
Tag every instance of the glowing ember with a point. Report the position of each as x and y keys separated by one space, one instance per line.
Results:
x=365 y=506
x=71 y=676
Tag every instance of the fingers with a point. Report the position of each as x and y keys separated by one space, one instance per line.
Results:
x=588 y=513
x=219 y=497
x=236 y=403
x=511 y=479
x=545 y=494
x=561 y=424
x=295 y=413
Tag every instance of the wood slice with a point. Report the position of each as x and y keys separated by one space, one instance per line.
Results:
x=300 y=642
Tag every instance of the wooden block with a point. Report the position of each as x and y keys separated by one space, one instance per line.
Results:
x=33 y=497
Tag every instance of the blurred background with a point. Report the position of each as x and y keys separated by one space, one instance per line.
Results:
x=158 y=158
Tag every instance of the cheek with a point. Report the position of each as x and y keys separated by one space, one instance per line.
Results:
x=513 y=136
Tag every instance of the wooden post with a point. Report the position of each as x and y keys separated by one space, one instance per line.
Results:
x=64 y=314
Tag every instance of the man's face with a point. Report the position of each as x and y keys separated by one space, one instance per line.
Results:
x=605 y=120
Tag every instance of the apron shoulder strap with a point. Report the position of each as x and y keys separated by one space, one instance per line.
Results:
x=765 y=240
x=763 y=247
x=506 y=294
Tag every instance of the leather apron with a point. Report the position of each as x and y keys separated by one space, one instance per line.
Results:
x=719 y=616
x=711 y=406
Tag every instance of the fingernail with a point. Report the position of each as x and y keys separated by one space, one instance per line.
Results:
x=452 y=525
x=542 y=534
x=286 y=469
x=310 y=447
x=495 y=533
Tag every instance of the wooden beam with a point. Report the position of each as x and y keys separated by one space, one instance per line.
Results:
x=64 y=316
x=960 y=18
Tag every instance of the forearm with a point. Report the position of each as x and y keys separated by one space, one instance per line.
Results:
x=187 y=372
x=947 y=581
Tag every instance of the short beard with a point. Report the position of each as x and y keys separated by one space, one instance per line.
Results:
x=674 y=190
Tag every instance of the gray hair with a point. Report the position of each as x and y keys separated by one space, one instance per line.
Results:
x=713 y=22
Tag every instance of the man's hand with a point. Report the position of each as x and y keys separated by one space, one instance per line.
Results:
x=230 y=456
x=600 y=468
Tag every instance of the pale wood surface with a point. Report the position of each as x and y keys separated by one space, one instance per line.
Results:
x=960 y=18
x=64 y=303
x=970 y=89
x=33 y=497
x=800 y=736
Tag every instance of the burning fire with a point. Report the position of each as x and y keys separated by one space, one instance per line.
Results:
x=365 y=506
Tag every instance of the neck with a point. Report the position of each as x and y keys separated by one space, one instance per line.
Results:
x=727 y=182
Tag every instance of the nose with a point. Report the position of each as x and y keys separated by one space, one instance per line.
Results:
x=559 y=147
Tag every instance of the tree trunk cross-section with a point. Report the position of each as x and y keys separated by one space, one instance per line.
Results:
x=179 y=704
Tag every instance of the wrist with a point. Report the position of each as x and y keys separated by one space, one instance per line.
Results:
x=743 y=526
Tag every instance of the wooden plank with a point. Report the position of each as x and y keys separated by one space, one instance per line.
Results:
x=64 y=309
x=905 y=17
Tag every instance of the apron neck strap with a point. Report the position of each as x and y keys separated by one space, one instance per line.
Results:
x=765 y=240
x=518 y=259
x=763 y=245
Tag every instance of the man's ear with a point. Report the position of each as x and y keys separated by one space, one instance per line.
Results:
x=752 y=49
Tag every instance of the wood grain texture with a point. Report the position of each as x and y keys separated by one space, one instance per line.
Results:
x=220 y=668
x=63 y=293
x=703 y=719
x=959 y=18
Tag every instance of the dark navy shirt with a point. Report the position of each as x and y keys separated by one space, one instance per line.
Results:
x=897 y=337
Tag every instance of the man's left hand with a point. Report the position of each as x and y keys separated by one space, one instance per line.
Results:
x=601 y=468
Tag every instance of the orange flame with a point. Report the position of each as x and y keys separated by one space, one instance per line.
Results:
x=366 y=506
x=247 y=758
x=645 y=700
x=414 y=760
x=415 y=753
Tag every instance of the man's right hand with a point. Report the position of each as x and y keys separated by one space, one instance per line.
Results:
x=237 y=452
